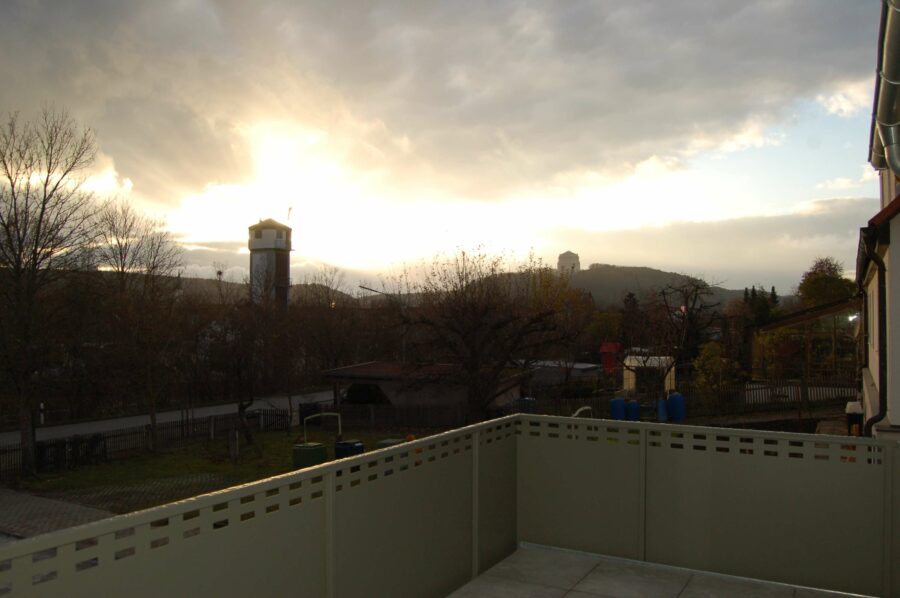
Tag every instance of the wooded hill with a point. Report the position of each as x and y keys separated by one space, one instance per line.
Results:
x=608 y=284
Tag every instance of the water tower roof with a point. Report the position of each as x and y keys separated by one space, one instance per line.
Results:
x=269 y=223
x=568 y=254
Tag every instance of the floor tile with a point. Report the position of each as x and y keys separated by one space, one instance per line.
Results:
x=624 y=579
x=487 y=586
x=712 y=586
x=554 y=568
x=579 y=594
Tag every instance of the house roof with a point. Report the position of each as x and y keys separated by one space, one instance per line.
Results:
x=577 y=366
x=877 y=233
x=269 y=223
x=648 y=361
x=813 y=313
x=876 y=148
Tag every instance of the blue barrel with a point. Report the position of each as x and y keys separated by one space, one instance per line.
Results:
x=347 y=448
x=617 y=408
x=662 y=413
x=675 y=407
x=632 y=411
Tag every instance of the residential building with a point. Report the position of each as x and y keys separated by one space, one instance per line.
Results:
x=877 y=256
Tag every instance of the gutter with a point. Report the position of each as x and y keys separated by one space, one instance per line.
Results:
x=885 y=146
x=869 y=236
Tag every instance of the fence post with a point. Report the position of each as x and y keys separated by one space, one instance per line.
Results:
x=234 y=447
x=148 y=437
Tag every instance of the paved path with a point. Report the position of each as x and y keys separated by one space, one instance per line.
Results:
x=105 y=425
x=24 y=515
x=134 y=496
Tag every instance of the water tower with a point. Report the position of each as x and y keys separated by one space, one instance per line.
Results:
x=270 y=261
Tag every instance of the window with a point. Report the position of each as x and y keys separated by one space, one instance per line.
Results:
x=279 y=234
x=257 y=234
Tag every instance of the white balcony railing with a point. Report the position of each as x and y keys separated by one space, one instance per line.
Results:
x=423 y=518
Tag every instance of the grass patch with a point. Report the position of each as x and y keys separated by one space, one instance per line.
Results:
x=269 y=455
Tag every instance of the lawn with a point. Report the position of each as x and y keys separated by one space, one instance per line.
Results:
x=163 y=475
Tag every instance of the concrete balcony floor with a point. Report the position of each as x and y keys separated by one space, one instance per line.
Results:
x=542 y=572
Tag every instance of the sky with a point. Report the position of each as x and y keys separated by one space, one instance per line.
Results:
x=719 y=138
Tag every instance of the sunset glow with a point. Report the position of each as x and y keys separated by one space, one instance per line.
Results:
x=544 y=128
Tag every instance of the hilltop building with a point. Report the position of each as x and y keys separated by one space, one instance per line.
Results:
x=568 y=262
x=270 y=261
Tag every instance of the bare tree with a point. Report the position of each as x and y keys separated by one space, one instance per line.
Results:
x=477 y=313
x=664 y=331
x=45 y=231
x=143 y=257
x=121 y=237
x=134 y=246
x=689 y=313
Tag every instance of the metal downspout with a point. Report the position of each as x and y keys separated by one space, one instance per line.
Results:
x=886 y=112
x=882 y=334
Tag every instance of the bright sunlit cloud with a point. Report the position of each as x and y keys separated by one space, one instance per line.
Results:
x=849 y=100
x=343 y=217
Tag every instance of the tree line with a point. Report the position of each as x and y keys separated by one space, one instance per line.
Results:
x=95 y=318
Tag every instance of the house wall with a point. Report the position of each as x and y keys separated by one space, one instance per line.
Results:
x=893 y=324
x=399 y=394
x=870 y=373
x=431 y=394
x=629 y=379
x=269 y=240
x=888 y=184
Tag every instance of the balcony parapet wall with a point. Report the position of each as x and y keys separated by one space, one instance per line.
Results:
x=423 y=518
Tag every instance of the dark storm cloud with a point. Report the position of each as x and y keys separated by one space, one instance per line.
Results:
x=480 y=98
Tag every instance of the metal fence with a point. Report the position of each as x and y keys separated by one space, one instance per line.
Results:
x=74 y=451
x=727 y=399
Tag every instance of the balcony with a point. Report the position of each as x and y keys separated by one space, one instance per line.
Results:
x=427 y=518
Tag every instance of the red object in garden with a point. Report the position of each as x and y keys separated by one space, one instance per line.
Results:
x=609 y=353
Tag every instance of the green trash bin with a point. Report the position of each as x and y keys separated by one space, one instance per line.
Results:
x=308 y=454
